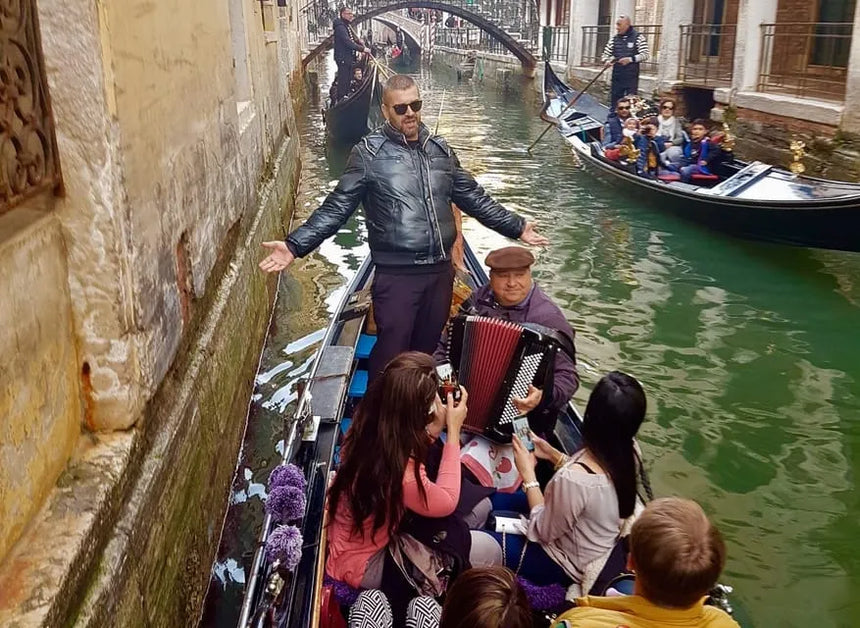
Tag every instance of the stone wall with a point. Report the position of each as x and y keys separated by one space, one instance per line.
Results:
x=137 y=311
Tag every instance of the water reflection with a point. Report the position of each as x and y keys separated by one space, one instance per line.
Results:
x=749 y=354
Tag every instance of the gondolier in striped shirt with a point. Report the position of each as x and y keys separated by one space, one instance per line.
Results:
x=627 y=49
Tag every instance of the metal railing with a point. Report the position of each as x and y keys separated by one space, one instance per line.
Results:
x=555 y=42
x=707 y=54
x=594 y=39
x=470 y=38
x=805 y=58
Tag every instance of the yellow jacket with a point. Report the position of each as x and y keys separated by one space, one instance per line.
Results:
x=634 y=611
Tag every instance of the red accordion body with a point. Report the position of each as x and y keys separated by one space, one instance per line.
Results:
x=495 y=361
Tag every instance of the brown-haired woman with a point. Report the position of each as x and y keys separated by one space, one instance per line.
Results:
x=382 y=473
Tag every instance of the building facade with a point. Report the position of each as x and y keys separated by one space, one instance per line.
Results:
x=147 y=150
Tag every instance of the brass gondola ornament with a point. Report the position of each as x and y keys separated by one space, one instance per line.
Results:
x=728 y=144
x=627 y=150
x=798 y=150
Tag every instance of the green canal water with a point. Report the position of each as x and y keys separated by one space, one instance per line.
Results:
x=749 y=353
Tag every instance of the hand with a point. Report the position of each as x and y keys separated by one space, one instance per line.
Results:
x=544 y=450
x=455 y=416
x=366 y=50
x=529 y=402
x=530 y=236
x=524 y=459
x=667 y=144
x=608 y=63
x=625 y=60
x=279 y=258
x=703 y=163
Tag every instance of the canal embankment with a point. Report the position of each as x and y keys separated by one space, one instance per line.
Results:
x=137 y=311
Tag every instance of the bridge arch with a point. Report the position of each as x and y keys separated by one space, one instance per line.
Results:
x=526 y=58
x=413 y=43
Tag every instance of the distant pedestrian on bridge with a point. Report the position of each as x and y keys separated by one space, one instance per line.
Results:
x=627 y=49
x=346 y=44
x=406 y=179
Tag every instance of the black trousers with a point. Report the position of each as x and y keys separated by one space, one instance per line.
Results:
x=622 y=86
x=344 y=77
x=410 y=311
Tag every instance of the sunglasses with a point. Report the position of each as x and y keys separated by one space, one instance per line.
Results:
x=415 y=106
x=669 y=107
x=623 y=108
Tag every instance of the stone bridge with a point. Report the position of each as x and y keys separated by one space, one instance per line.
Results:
x=411 y=29
x=517 y=16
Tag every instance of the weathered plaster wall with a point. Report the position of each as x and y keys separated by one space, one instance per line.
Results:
x=40 y=411
x=137 y=310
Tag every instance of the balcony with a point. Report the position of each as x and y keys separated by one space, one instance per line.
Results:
x=707 y=54
x=806 y=59
x=555 y=43
x=594 y=40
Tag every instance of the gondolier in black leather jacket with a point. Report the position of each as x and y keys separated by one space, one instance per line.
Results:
x=406 y=178
x=346 y=44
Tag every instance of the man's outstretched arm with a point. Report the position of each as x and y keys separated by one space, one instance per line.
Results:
x=474 y=200
x=335 y=210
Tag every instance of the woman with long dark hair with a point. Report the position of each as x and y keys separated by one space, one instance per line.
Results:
x=578 y=521
x=382 y=473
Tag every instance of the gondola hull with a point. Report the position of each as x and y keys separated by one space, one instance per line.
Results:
x=294 y=600
x=754 y=200
x=348 y=120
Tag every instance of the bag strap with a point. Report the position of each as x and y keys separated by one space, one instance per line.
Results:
x=586 y=467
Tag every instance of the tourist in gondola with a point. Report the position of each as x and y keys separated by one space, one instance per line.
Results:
x=482 y=597
x=627 y=49
x=346 y=45
x=512 y=294
x=398 y=419
x=697 y=152
x=357 y=77
x=613 y=131
x=672 y=131
x=406 y=179
x=677 y=556
x=573 y=527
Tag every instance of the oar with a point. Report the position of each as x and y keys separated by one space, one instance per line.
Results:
x=569 y=105
x=439 y=117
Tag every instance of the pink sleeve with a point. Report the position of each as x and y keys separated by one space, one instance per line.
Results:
x=442 y=497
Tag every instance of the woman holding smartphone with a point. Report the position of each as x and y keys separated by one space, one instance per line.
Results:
x=383 y=474
x=578 y=520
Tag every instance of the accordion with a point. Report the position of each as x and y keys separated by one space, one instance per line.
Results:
x=495 y=361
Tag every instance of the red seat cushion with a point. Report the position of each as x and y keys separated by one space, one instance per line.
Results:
x=672 y=176
x=612 y=153
x=705 y=177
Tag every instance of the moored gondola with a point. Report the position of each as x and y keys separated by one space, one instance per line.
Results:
x=753 y=200
x=273 y=596
x=350 y=118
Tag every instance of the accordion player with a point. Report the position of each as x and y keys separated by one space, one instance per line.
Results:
x=496 y=360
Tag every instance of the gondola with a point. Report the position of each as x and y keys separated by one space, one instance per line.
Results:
x=748 y=199
x=274 y=597
x=346 y=120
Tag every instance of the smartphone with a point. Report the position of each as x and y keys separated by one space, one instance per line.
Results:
x=447 y=382
x=521 y=429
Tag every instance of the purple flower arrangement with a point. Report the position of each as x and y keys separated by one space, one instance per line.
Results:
x=287 y=475
x=285 y=544
x=286 y=503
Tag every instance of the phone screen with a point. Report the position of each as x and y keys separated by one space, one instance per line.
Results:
x=521 y=429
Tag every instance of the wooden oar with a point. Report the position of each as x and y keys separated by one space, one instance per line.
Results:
x=439 y=117
x=569 y=105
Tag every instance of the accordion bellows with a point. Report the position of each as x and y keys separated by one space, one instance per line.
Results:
x=495 y=361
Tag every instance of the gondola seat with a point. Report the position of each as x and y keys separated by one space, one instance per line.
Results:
x=669 y=177
x=364 y=346
x=704 y=179
x=358 y=384
x=612 y=154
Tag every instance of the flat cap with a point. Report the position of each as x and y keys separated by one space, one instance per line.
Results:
x=510 y=258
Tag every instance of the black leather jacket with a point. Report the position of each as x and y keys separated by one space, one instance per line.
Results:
x=407 y=195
